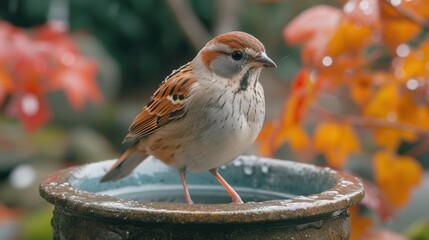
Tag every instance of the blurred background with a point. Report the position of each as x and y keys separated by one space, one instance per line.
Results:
x=74 y=73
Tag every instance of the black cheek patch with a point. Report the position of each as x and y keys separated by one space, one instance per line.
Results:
x=244 y=82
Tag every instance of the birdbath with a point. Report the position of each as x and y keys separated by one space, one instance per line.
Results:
x=283 y=200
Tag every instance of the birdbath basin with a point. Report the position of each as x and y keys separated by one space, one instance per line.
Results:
x=283 y=200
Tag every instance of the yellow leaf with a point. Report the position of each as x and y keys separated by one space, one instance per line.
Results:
x=336 y=141
x=397 y=28
x=385 y=103
x=421 y=117
x=387 y=138
x=413 y=65
x=349 y=37
x=298 y=138
x=396 y=176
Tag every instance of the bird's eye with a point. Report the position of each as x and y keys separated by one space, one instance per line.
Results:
x=237 y=55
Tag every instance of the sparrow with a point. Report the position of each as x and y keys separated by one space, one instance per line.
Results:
x=204 y=114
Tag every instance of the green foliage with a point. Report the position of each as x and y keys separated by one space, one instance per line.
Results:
x=419 y=231
x=36 y=226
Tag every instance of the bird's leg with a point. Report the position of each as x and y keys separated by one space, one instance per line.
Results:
x=234 y=195
x=188 y=199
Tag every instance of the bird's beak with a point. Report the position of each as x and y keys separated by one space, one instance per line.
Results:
x=263 y=61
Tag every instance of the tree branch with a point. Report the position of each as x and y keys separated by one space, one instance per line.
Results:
x=226 y=16
x=191 y=26
x=372 y=122
x=410 y=15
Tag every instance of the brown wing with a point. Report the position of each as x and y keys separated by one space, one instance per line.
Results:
x=166 y=105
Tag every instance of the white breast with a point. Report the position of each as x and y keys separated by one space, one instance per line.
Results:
x=224 y=124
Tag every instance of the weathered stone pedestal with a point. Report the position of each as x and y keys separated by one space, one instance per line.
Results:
x=283 y=200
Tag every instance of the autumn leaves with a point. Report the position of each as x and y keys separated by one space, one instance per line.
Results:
x=33 y=64
x=372 y=58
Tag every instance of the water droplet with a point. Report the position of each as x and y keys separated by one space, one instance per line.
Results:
x=255 y=183
x=68 y=58
x=29 y=104
x=363 y=5
x=349 y=6
x=366 y=8
x=248 y=170
x=391 y=117
x=395 y=3
x=327 y=61
x=412 y=84
x=313 y=76
x=403 y=50
x=223 y=167
x=238 y=162
x=265 y=168
x=22 y=176
x=420 y=55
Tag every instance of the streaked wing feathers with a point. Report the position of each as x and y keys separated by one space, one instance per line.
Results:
x=166 y=105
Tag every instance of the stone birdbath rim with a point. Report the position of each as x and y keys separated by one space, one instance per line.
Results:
x=346 y=192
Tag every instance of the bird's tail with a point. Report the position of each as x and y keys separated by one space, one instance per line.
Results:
x=125 y=164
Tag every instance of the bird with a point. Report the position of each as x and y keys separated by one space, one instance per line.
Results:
x=204 y=114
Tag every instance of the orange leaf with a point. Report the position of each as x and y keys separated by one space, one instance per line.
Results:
x=6 y=85
x=310 y=22
x=304 y=90
x=313 y=27
x=266 y=131
x=264 y=139
x=362 y=89
x=272 y=136
x=359 y=224
x=349 y=37
x=397 y=28
x=8 y=214
x=78 y=80
x=336 y=141
x=31 y=108
x=387 y=138
x=396 y=176
x=299 y=93
x=421 y=117
x=43 y=60
x=266 y=149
